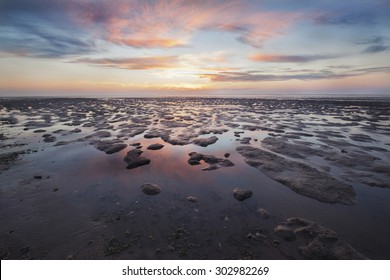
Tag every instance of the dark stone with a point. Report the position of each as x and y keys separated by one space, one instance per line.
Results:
x=132 y=154
x=241 y=194
x=108 y=146
x=49 y=138
x=263 y=213
x=155 y=146
x=150 y=189
x=192 y=198
x=195 y=158
x=204 y=142
x=214 y=162
x=137 y=162
x=134 y=159
x=245 y=140
x=115 y=148
x=135 y=144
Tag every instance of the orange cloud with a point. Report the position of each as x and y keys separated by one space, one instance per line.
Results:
x=288 y=58
x=153 y=43
x=134 y=63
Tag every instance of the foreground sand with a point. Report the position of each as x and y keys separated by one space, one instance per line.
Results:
x=194 y=178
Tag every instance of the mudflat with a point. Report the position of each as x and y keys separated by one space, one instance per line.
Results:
x=194 y=178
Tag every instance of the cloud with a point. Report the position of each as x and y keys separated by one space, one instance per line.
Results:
x=209 y=59
x=49 y=28
x=40 y=29
x=376 y=44
x=345 y=18
x=376 y=49
x=153 y=43
x=257 y=76
x=360 y=13
x=378 y=40
x=181 y=19
x=288 y=58
x=133 y=63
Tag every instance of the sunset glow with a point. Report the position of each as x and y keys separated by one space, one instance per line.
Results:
x=245 y=47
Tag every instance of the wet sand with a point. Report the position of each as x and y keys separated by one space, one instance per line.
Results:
x=194 y=178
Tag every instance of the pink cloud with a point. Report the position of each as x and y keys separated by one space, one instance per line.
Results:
x=167 y=24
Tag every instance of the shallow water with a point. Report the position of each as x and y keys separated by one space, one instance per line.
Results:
x=88 y=205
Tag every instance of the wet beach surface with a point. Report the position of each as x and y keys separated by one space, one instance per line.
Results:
x=194 y=178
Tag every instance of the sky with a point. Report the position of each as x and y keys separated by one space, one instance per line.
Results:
x=143 y=48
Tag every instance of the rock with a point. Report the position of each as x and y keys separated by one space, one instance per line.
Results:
x=192 y=198
x=132 y=131
x=154 y=134
x=237 y=134
x=37 y=176
x=241 y=194
x=299 y=177
x=213 y=130
x=285 y=233
x=9 y=120
x=225 y=162
x=263 y=213
x=76 y=130
x=39 y=131
x=49 y=138
x=187 y=118
x=245 y=140
x=210 y=159
x=214 y=162
x=226 y=155
x=250 y=127
x=99 y=134
x=204 y=142
x=195 y=158
x=150 y=189
x=132 y=154
x=134 y=159
x=179 y=139
x=137 y=162
x=109 y=146
x=173 y=124
x=155 y=147
x=316 y=242
x=135 y=144
x=115 y=148
x=361 y=138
